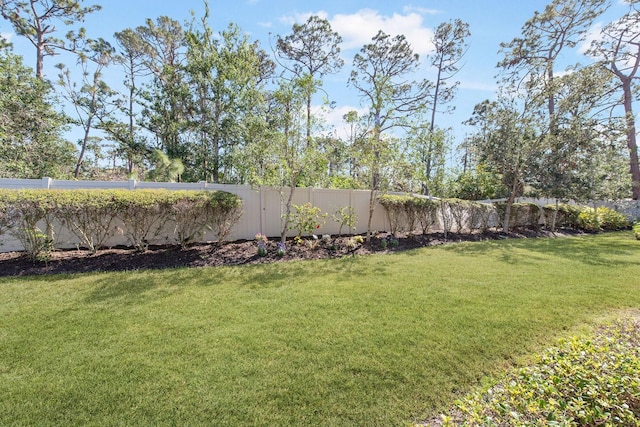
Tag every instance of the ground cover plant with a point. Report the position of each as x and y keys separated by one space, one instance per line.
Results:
x=386 y=339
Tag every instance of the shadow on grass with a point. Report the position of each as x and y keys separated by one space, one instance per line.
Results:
x=610 y=249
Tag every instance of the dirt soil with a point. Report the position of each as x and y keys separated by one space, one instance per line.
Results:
x=232 y=253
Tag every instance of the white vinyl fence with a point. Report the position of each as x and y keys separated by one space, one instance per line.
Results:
x=262 y=207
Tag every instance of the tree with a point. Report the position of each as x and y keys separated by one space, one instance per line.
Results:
x=91 y=100
x=31 y=145
x=619 y=50
x=226 y=76
x=449 y=41
x=314 y=49
x=379 y=74
x=131 y=144
x=530 y=61
x=513 y=137
x=164 y=99
x=35 y=20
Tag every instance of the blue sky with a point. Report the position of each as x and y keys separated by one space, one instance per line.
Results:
x=491 y=22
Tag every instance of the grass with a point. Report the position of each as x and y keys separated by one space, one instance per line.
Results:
x=372 y=341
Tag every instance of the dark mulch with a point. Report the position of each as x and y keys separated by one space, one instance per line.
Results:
x=232 y=253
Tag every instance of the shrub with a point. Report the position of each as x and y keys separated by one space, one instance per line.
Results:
x=460 y=213
x=396 y=208
x=346 y=217
x=426 y=212
x=610 y=220
x=222 y=210
x=306 y=219
x=480 y=215
x=32 y=221
x=582 y=381
x=588 y=220
x=525 y=215
x=89 y=214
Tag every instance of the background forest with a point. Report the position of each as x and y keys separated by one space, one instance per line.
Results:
x=182 y=101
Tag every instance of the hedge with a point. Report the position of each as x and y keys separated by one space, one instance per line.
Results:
x=93 y=216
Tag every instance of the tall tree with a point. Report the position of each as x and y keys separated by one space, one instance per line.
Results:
x=513 y=137
x=35 y=20
x=530 y=61
x=125 y=132
x=226 y=74
x=31 y=144
x=450 y=44
x=314 y=49
x=90 y=98
x=380 y=72
x=619 y=50
x=165 y=97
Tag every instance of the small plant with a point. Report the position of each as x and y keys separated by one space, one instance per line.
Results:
x=636 y=229
x=262 y=240
x=281 y=250
x=346 y=217
x=383 y=243
x=306 y=219
x=355 y=241
x=393 y=242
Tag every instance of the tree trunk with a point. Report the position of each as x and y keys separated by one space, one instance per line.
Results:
x=631 y=139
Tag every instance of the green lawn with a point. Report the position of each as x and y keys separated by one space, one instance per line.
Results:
x=372 y=341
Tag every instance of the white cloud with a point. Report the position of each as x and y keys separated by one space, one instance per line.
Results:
x=357 y=29
x=6 y=36
x=594 y=33
x=420 y=10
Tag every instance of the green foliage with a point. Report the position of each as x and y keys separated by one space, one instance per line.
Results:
x=459 y=212
x=611 y=220
x=306 y=219
x=478 y=185
x=601 y=219
x=426 y=211
x=396 y=208
x=581 y=382
x=480 y=215
x=32 y=213
x=89 y=214
x=94 y=216
x=31 y=145
x=345 y=216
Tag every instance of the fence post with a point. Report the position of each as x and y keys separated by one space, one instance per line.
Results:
x=46 y=182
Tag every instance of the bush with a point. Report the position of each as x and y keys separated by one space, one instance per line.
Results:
x=31 y=213
x=91 y=216
x=460 y=213
x=581 y=382
x=611 y=220
x=306 y=219
x=426 y=211
x=396 y=208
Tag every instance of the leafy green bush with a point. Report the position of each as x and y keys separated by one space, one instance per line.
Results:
x=306 y=219
x=32 y=220
x=588 y=219
x=480 y=215
x=346 y=217
x=610 y=220
x=426 y=211
x=525 y=215
x=396 y=208
x=581 y=382
x=89 y=214
x=460 y=213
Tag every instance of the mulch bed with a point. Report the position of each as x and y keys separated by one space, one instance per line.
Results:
x=232 y=253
